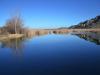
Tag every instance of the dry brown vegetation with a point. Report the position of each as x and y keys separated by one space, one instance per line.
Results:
x=15 y=25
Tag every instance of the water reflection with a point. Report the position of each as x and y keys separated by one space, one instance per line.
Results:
x=90 y=36
x=16 y=45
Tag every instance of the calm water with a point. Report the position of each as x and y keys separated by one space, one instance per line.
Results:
x=51 y=54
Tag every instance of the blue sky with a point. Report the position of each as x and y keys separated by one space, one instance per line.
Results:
x=49 y=13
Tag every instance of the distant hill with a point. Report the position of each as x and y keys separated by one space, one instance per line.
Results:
x=92 y=23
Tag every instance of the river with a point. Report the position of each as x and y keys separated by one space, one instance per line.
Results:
x=51 y=54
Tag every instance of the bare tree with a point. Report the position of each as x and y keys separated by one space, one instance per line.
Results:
x=14 y=25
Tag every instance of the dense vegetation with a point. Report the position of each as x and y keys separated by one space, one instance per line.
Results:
x=92 y=23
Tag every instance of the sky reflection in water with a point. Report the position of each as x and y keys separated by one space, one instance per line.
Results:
x=51 y=54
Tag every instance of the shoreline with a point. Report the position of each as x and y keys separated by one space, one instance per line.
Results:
x=10 y=36
x=42 y=31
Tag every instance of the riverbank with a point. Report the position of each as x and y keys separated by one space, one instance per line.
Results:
x=33 y=32
x=10 y=36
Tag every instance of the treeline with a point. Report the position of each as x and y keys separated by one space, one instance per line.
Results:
x=92 y=23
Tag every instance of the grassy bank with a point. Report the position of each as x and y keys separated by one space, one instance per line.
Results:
x=10 y=36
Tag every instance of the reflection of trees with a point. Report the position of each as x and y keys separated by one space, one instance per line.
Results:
x=59 y=32
x=91 y=36
x=16 y=45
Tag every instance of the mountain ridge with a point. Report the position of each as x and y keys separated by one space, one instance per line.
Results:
x=88 y=24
